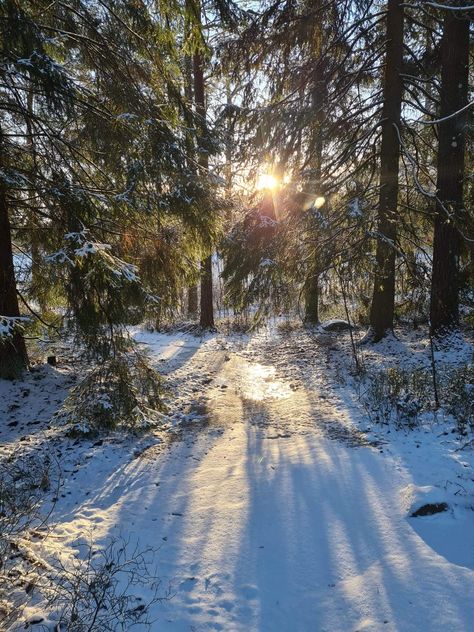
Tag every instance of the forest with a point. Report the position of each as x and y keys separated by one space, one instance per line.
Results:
x=237 y=315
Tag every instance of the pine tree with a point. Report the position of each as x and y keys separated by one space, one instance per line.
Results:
x=450 y=217
x=206 y=319
x=383 y=299
x=13 y=356
x=95 y=166
x=311 y=124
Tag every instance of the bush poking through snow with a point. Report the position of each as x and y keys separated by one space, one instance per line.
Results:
x=459 y=397
x=123 y=393
x=400 y=396
x=103 y=591
x=24 y=479
x=397 y=396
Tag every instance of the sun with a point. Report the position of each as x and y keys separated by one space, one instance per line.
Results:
x=266 y=181
x=319 y=202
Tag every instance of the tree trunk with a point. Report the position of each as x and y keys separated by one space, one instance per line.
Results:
x=319 y=105
x=37 y=277
x=312 y=300
x=207 y=309
x=444 y=308
x=383 y=298
x=13 y=356
x=192 y=306
x=192 y=300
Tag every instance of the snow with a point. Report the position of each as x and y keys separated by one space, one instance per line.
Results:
x=90 y=248
x=355 y=210
x=272 y=502
x=334 y=324
x=115 y=266
x=127 y=116
x=8 y=324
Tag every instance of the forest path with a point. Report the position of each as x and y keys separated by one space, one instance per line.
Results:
x=286 y=523
x=276 y=515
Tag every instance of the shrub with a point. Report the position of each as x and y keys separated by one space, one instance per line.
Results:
x=102 y=592
x=24 y=479
x=458 y=397
x=397 y=396
x=123 y=392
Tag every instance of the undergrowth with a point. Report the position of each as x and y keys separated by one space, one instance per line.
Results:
x=103 y=589
x=123 y=393
x=25 y=480
x=401 y=396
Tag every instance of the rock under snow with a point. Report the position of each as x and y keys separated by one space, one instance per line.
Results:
x=335 y=325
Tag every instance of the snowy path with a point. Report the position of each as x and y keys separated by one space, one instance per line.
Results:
x=265 y=523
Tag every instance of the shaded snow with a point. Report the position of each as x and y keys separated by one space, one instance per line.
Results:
x=283 y=511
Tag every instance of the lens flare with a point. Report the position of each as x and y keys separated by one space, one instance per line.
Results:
x=266 y=181
x=319 y=202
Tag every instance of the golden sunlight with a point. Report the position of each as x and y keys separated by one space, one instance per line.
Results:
x=319 y=201
x=266 y=181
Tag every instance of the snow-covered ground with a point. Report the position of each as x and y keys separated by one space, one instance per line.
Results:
x=273 y=503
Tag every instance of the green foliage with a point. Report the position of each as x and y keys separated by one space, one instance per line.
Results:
x=102 y=290
x=10 y=325
x=396 y=395
x=97 y=145
x=123 y=393
x=400 y=396
x=458 y=393
x=252 y=253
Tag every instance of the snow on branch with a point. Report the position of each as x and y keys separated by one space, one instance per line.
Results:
x=80 y=246
x=449 y=116
x=9 y=325
x=448 y=7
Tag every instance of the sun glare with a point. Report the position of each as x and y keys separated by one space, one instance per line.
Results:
x=266 y=181
x=319 y=201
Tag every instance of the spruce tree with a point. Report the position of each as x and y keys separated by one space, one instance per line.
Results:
x=450 y=217
x=96 y=181
x=383 y=299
